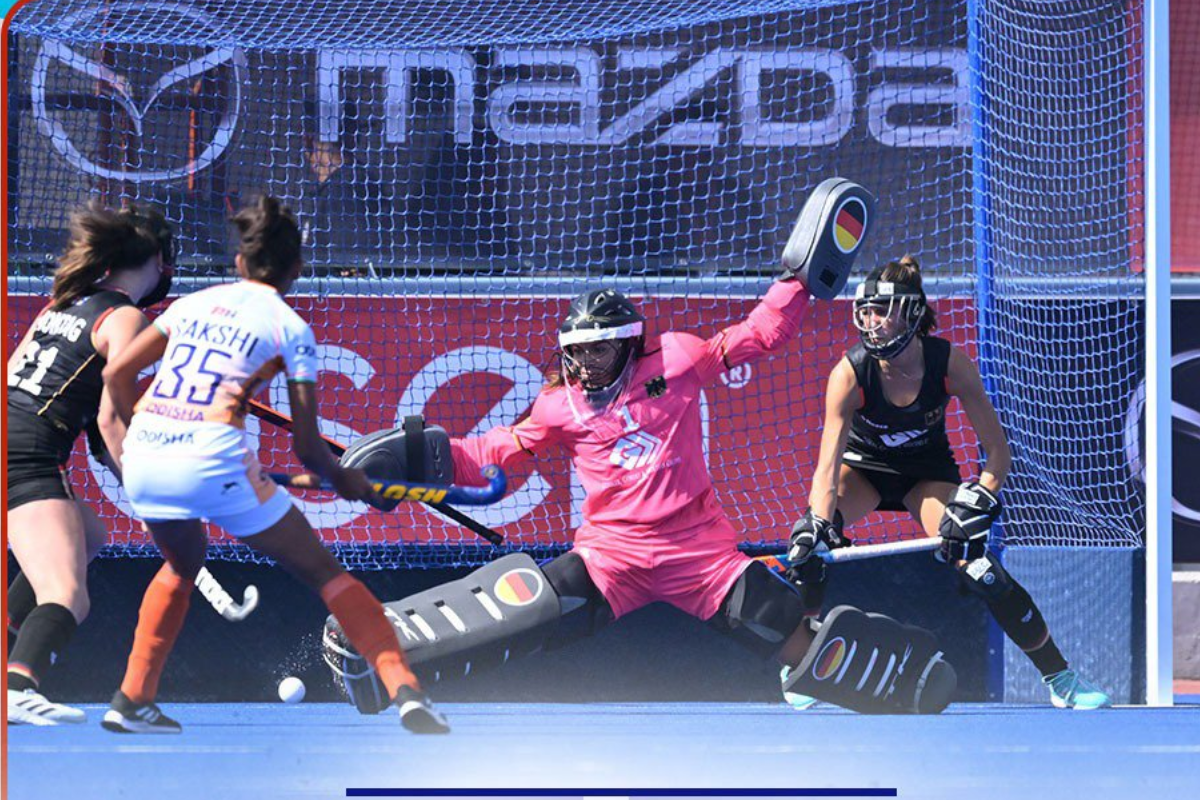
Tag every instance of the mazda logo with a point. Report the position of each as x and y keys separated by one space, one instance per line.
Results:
x=139 y=103
x=1185 y=428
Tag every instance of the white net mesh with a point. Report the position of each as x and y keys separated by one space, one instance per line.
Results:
x=462 y=170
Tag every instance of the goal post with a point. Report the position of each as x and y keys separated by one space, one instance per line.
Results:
x=462 y=170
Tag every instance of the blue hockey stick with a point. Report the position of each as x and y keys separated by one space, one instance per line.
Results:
x=418 y=492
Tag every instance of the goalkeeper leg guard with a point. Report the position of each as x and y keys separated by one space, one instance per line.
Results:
x=360 y=615
x=875 y=665
x=499 y=611
x=164 y=608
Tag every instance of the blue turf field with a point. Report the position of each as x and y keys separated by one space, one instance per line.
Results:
x=320 y=750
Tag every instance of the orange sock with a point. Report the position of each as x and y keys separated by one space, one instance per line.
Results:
x=361 y=617
x=164 y=608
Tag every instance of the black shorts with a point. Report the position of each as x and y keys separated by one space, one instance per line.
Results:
x=37 y=452
x=894 y=481
x=761 y=611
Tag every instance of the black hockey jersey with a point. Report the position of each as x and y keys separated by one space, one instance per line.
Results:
x=898 y=439
x=58 y=376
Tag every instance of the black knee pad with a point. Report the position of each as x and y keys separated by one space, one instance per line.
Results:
x=1008 y=601
x=985 y=577
x=761 y=611
x=1020 y=618
x=584 y=609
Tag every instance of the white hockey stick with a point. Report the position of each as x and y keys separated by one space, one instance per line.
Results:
x=221 y=600
x=859 y=552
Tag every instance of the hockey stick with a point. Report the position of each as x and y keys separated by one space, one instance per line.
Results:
x=859 y=552
x=420 y=492
x=268 y=414
x=222 y=601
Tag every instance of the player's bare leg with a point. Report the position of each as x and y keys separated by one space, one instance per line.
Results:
x=21 y=598
x=856 y=496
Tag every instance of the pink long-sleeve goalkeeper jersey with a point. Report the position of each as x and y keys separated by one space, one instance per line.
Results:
x=641 y=462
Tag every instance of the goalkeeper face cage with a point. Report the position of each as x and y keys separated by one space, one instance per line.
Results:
x=887 y=315
x=600 y=338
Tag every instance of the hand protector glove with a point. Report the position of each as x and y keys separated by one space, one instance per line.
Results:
x=967 y=523
x=809 y=532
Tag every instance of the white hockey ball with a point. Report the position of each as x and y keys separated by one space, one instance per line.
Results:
x=291 y=690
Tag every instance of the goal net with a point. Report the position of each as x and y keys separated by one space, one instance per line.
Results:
x=461 y=170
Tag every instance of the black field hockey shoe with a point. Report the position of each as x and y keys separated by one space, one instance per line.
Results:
x=126 y=716
x=417 y=713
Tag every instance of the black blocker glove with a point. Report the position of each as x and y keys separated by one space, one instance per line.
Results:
x=811 y=530
x=804 y=571
x=967 y=523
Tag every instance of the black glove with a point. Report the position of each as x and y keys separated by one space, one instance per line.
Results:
x=809 y=531
x=967 y=523
x=810 y=578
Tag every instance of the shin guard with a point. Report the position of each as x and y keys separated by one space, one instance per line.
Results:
x=500 y=611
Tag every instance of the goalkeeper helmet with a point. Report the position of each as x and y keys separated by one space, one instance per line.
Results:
x=600 y=338
x=887 y=314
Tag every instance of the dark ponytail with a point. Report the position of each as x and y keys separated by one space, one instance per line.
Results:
x=102 y=241
x=908 y=271
x=269 y=240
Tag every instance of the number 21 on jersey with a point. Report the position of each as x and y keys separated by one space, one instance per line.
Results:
x=42 y=358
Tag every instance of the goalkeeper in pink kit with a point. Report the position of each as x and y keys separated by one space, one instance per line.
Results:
x=626 y=406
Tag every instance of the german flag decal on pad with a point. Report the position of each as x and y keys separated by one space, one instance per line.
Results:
x=849 y=224
x=518 y=587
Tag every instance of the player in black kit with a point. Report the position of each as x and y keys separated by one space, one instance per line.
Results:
x=115 y=263
x=884 y=448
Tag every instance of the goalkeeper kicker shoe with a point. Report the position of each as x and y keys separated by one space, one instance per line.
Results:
x=797 y=701
x=30 y=708
x=126 y=716
x=1068 y=690
x=417 y=713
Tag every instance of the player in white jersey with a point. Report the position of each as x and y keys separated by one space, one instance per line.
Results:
x=187 y=459
x=188 y=452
